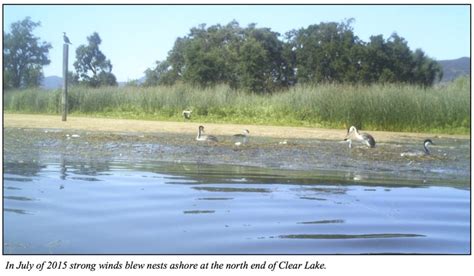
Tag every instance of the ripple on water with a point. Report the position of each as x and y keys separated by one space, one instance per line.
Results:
x=63 y=209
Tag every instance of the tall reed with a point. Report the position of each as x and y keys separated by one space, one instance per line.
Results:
x=392 y=107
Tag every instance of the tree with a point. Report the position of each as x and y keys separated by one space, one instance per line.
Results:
x=262 y=61
x=161 y=74
x=375 y=60
x=257 y=60
x=324 y=52
x=253 y=61
x=208 y=55
x=392 y=61
x=426 y=70
x=401 y=59
x=73 y=79
x=248 y=58
x=24 y=55
x=92 y=67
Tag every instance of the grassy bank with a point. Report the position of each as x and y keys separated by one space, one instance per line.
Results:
x=442 y=109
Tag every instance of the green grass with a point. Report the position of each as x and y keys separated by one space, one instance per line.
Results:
x=440 y=109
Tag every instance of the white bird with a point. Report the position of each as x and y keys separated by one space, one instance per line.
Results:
x=353 y=134
x=66 y=39
x=187 y=114
x=244 y=137
x=426 y=151
x=205 y=138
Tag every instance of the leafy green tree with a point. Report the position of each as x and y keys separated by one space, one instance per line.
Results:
x=92 y=66
x=169 y=71
x=375 y=60
x=253 y=61
x=257 y=60
x=392 y=61
x=162 y=74
x=73 y=78
x=426 y=70
x=263 y=63
x=208 y=55
x=23 y=55
x=249 y=58
x=152 y=76
x=204 y=57
x=323 y=52
x=176 y=60
x=400 y=56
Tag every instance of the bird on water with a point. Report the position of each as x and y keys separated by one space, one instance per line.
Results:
x=426 y=150
x=66 y=39
x=205 y=138
x=353 y=134
x=243 y=137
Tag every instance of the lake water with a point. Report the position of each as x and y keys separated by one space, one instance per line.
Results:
x=101 y=204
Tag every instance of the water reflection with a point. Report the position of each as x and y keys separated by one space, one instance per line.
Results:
x=215 y=198
x=362 y=236
x=9 y=187
x=328 y=190
x=199 y=212
x=312 y=198
x=232 y=190
x=162 y=207
x=21 y=198
x=90 y=167
x=85 y=178
x=17 y=211
x=323 y=221
x=18 y=179
x=23 y=168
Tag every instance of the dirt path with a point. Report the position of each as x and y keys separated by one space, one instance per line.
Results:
x=123 y=125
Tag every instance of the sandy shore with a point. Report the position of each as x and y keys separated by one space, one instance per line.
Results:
x=123 y=125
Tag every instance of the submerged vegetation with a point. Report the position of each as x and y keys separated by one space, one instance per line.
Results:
x=391 y=107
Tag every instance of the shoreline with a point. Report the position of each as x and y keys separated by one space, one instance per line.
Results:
x=319 y=153
x=142 y=126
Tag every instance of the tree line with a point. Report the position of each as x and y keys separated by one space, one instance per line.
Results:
x=24 y=56
x=248 y=58
x=260 y=60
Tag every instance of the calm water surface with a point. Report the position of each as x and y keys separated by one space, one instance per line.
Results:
x=161 y=207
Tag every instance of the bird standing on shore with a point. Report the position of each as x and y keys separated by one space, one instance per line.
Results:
x=66 y=39
x=187 y=114
x=205 y=138
x=353 y=134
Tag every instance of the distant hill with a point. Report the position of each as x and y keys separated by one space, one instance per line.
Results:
x=454 y=68
x=55 y=82
x=52 y=82
x=139 y=81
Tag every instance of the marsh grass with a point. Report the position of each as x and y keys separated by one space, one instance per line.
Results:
x=390 y=107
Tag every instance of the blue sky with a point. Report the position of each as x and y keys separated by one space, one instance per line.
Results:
x=135 y=36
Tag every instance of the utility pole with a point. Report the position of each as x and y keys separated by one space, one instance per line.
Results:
x=65 y=81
